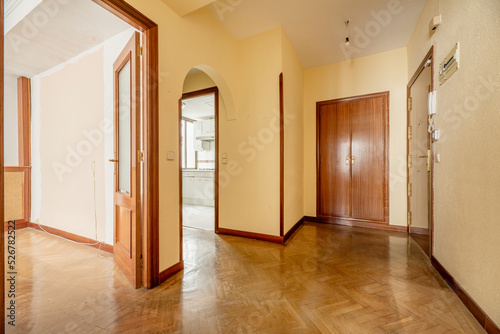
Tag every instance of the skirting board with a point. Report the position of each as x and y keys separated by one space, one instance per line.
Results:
x=263 y=237
x=476 y=311
x=356 y=223
x=20 y=224
x=419 y=231
x=73 y=237
x=167 y=273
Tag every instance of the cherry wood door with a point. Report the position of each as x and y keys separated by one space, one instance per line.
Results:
x=368 y=158
x=127 y=215
x=352 y=158
x=334 y=160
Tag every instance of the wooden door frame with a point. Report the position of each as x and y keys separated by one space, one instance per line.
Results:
x=421 y=67
x=150 y=129
x=385 y=225
x=212 y=90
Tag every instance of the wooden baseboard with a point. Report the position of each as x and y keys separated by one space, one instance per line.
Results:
x=251 y=235
x=167 y=273
x=294 y=229
x=20 y=224
x=478 y=313
x=73 y=237
x=356 y=223
x=419 y=230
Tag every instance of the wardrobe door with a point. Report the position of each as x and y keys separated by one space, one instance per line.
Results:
x=367 y=118
x=334 y=164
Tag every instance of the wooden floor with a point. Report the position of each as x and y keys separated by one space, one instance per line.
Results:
x=327 y=279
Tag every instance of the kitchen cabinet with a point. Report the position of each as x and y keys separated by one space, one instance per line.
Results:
x=204 y=130
x=198 y=188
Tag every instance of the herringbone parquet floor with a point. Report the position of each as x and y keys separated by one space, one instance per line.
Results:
x=327 y=279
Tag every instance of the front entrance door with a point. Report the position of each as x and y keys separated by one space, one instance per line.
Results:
x=127 y=191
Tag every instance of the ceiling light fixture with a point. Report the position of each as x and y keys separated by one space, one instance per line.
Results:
x=347 y=33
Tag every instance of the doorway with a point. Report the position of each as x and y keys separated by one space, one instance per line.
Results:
x=420 y=155
x=92 y=133
x=199 y=149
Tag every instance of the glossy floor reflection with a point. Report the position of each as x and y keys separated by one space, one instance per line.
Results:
x=327 y=279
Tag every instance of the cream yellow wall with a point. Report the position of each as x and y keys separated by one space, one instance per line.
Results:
x=293 y=83
x=249 y=70
x=381 y=72
x=11 y=150
x=70 y=119
x=197 y=81
x=466 y=183
x=249 y=184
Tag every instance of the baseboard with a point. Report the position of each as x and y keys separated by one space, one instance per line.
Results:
x=473 y=307
x=20 y=224
x=294 y=229
x=251 y=235
x=73 y=237
x=419 y=230
x=167 y=273
x=356 y=223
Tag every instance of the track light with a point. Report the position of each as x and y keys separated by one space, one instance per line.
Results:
x=347 y=33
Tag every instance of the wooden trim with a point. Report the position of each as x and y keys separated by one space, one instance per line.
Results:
x=470 y=303
x=420 y=231
x=282 y=158
x=430 y=232
x=251 y=235
x=151 y=175
x=127 y=13
x=167 y=273
x=20 y=224
x=356 y=223
x=181 y=217
x=386 y=96
x=151 y=164
x=294 y=229
x=73 y=237
x=217 y=169
x=2 y=250
x=24 y=120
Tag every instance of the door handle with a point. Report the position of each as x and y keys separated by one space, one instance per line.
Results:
x=113 y=160
x=353 y=161
x=347 y=160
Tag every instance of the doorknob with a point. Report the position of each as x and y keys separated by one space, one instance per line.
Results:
x=353 y=160
x=347 y=160
x=113 y=160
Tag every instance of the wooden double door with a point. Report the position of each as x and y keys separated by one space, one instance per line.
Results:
x=352 y=158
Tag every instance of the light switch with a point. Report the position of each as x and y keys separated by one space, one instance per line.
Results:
x=224 y=155
x=224 y=161
x=170 y=156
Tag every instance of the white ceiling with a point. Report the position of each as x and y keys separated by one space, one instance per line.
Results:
x=199 y=108
x=316 y=27
x=35 y=44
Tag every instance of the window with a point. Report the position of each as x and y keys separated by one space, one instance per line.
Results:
x=188 y=152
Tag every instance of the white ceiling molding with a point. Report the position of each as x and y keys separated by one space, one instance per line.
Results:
x=16 y=10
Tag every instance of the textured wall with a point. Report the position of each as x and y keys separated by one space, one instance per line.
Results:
x=467 y=183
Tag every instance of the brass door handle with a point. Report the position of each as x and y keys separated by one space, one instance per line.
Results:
x=353 y=160
x=347 y=160
x=113 y=160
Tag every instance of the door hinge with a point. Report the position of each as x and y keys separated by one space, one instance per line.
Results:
x=140 y=156
x=410 y=189
x=410 y=132
x=409 y=218
x=410 y=165
x=410 y=103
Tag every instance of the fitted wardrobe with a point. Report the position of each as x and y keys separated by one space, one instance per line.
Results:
x=352 y=160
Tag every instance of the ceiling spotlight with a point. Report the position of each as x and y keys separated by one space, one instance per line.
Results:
x=347 y=33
